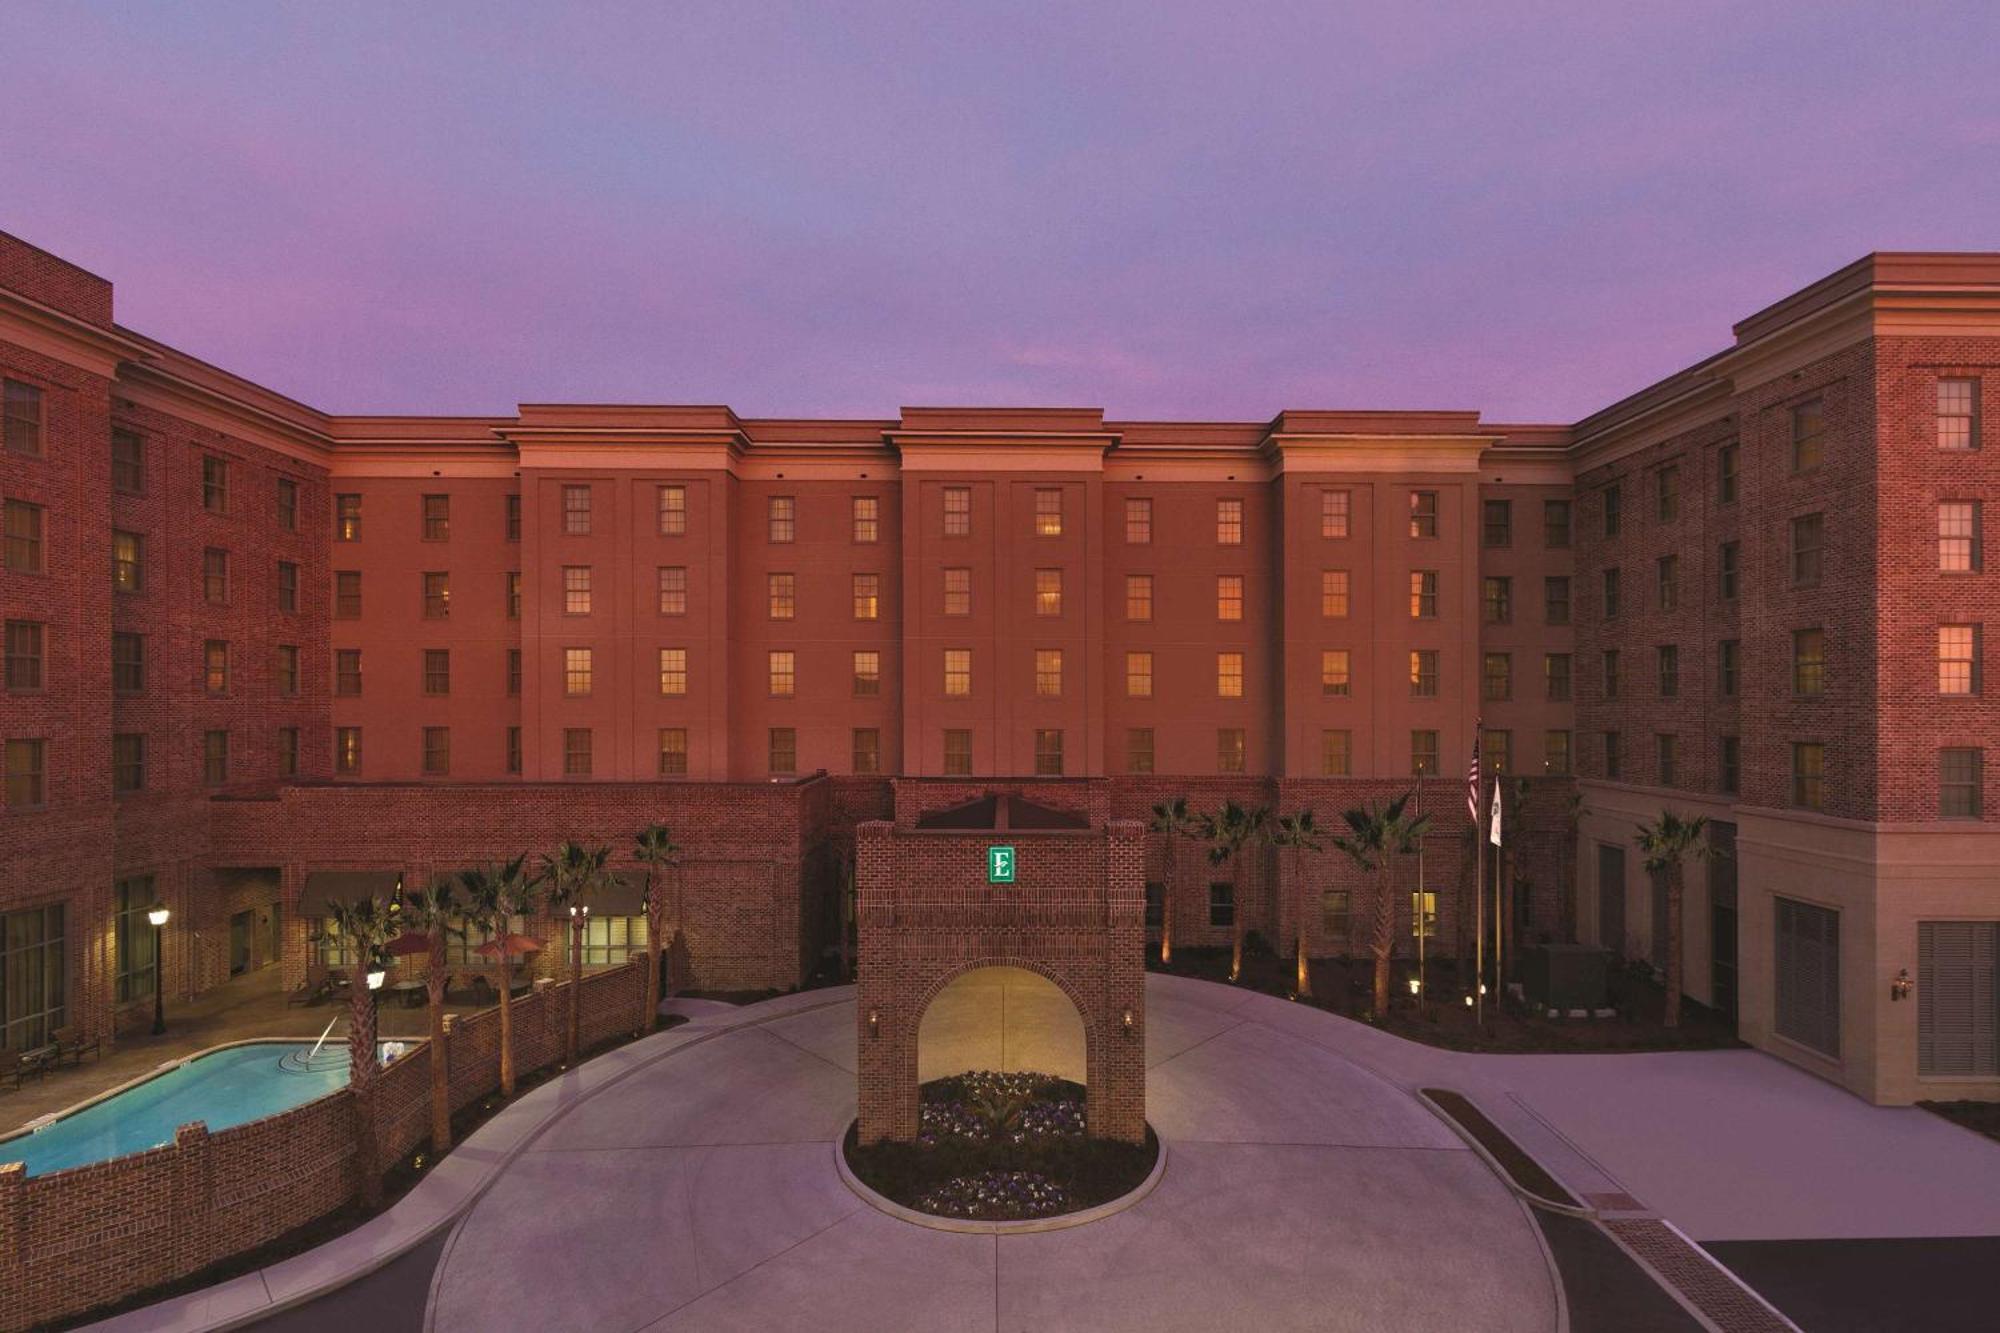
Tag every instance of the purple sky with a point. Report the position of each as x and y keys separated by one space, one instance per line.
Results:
x=1215 y=210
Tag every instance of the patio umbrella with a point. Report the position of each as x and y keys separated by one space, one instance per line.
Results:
x=514 y=946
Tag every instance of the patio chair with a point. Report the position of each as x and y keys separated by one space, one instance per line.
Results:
x=72 y=1045
x=310 y=992
x=30 y=1064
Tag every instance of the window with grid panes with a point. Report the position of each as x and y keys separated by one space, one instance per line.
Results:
x=1423 y=673
x=958 y=511
x=215 y=757
x=215 y=576
x=21 y=418
x=288 y=752
x=1555 y=599
x=1668 y=660
x=1496 y=750
x=215 y=666
x=287 y=668
x=27 y=772
x=214 y=484
x=513 y=594
x=1139 y=750
x=867 y=750
x=1229 y=675
x=1666 y=758
x=781 y=596
x=1138 y=675
x=1423 y=514
x=347 y=518
x=1613 y=673
x=23 y=523
x=1423 y=594
x=437 y=671
x=128 y=663
x=1229 y=750
x=867 y=596
x=347 y=594
x=1958 y=537
x=576 y=590
x=673 y=590
x=288 y=504
x=437 y=518
x=288 y=588
x=513 y=743
x=1958 y=659
x=1727 y=667
x=782 y=673
x=1048 y=673
x=1333 y=593
x=673 y=752
x=867 y=673
x=1961 y=779
x=1336 y=676
x=1729 y=765
x=437 y=751
x=1667 y=492
x=1336 y=513
x=867 y=516
x=1048 y=752
x=1667 y=582
x=1229 y=522
x=1957 y=413
x=1229 y=597
x=1497 y=599
x=1556 y=677
x=578 y=670
x=1496 y=526
x=1336 y=913
x=1138 y=596
x=1808 y=662
x=578 y=747
x=576 y=511
x=957 y=673
x=1138 y=521
x=1612 y=502
x=1555 y=753
x=1048 y=513
x=512 y=522
x=347 y=672
x=1728 y=565
x=437 y=595
x=1496 y=676
x=673 y=511
x=1555 y=524
x=1808 y=435
x=347 y=751
x=128 y=462
x=1423 y=754
x=1336 y=751
x=673 y=672
x=25 y=640
x=957 y=752
x=1808 y=775
x=1048 y=592
x=1726 y=465
x=513 y=672
x=958 y=592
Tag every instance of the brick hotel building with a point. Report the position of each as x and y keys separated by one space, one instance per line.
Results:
x=258 y=655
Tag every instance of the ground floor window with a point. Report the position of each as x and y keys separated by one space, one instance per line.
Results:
x=462 y=949
x=1808 y=975
x=613 y=939
x=1222 y=904
x=1336 y=914
x=131 y=899
x=1958 y=999
x=1424 y=914
x=34 y=976
x=1156 y=904
x=334 y=948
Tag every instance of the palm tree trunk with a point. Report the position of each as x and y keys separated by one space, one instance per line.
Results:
x=361 y=1082
x=1385 y=935
x=1672 y=1014
x=440 y=1058
x=506 y=1027
x=655 y=915
x=1167 y=901
x=570 y=1041
x=1236 y=917
x=675 y=927
x=1304 y=985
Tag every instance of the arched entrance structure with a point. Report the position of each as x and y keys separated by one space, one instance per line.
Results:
x=963 y=883
x=1005 y=1018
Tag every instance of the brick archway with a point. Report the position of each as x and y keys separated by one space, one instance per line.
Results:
x=1074 y=915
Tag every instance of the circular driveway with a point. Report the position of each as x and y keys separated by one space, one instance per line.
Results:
x=1302 y=1192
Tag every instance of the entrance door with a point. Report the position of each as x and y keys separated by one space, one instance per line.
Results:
x=1722 y=920
x=1611 y=899
x=240 y=926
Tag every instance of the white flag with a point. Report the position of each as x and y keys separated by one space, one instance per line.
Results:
x=1494 y=836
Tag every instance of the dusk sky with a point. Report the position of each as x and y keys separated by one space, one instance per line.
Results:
x=1167 y=210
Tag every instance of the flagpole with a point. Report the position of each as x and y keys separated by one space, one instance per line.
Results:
x=1479 y=920
x=1420 y=900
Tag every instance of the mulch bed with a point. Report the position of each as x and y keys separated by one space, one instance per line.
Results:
x=1979 y=1117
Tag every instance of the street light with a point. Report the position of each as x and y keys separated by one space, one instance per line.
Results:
x=157 y=914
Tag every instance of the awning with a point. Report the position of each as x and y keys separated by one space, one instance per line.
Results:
x=324 y=886
x=622 y=894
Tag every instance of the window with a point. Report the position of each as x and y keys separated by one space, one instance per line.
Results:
x=576 y=752
x=27 y=775
x=1336 y=753
x=957 y=673
x=673 y=510
x=867 y=750
x=1229 y=675
x=1048 y=752
x=1555 y=524
x=1808 y=435
x=437 y=751
x=437 y=595
x=1333 y=593
x=1614 y=510
x=782 y=746
x=1613 y=591
x=514 y=672
x=1229 y=750
x=867 y=513
x=1808 y=773
x=576 y=590
x=347 y=518
x=437 y=518
x=347 y=750
x=1222 y=904
x=867 y=674
x=215 y=758
x=214 y=484
x=958 y=514
x=128 y=462
x=780 y=596
x=1668 y=582
x=576 y=511
x=513 y=594
x=1156 y=904
x=673 y=672
x=1555 y=754
x=1496 y=528
x=1808 y=536
x=1423 y=514
x=1048 y=513
x=34 y=961
x=132 y=934
x=514 y=750
x=1961 y=778
x=1048 y=592
x=1336 y=513
x=1668 y=658
x=288 y=752
x=1336 y=913
x=1496 y=749
x=1048 y=673
x=782 y=672
x=1423 y=913
x=577 y=671
x=958 y=592
x=512 y=522
x=1728 y=667
x=867 y=590
x=957 y=753
x=287 y=670
x=1958 y=659
x=1808 y=662
x=215 y=576
x=1807 y=980
x=1728 y=563
x=1424 y=673
x=1667 y=492
x=1556 y=677
x=1228 y=522
x=1229 y=597
x=1496 y=597
x=1336 y=677
x=215 y=666
x=1423 y=754
x=1729 y=774
x=1138 y=675
x=21 y=412
x=1614 y=673
x=1959 y=546
x=437 y=671
x=24 y=654
x=347 y=672
x=1726 y=464
x=1667 y=753
x=1958 y=413
x=1496 y=676
x=673 y=590
x=288 y=588
x=1138 y=521
x=1138 y=596
x=1139 y=750
x=1614 y=756
x=673 y=752
x=1423 y=594
x=347 y=594
x=128 y=762
x=128 y=663
x=1555 y=599
x=612 y=939
x=24 y=540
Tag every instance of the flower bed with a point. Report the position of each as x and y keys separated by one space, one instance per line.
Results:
x=999 y=1147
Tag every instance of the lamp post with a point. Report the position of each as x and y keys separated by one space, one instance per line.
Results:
x=579 y=917
x=157 y=914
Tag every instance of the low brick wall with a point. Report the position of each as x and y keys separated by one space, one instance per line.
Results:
x=75 y=1239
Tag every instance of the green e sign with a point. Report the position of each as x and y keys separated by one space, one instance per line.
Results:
x=999 y=865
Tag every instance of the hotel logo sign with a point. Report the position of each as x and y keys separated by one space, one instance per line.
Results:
x=999 y=865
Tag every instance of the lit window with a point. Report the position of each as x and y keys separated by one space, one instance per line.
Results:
x=1423 y=594
x=347 y=750
x=347 y=518
x=1336 y=513
x=1808 y=775
x=576 y=590
x=513 y=594
x=1424 y=673
x=215 y=666
x=1496 y=676
x=1335 y=674
x=673 y=671
x=1958 y=659
x=437 y=518
x=1336 y=749
x=1336 y=912
x=1808 y=662
x=1229 y=597
x=1808 y=435
x=1139 y=675
x=781 y=595
x=1048 y=752
x=783 y=673
x=1958 y=413
x=673 y=752
x=1423 y=913
x=958 y=592
x=673 y=590
x=781 y=518
x=1496 y=523
x=1138 y=521
x=1138 y=596
x=1048 y=673
x=867 y=518
x=673 y=511
x=576 y=510
x=1961 y=780
x=957 y=752
x=437 y=595
x=957 y=673
x=1959 y=537
x=1333 y=593
x=1229 y=750
x=1048 y=513
x=1139 y=750
x=576 y=672
x=867 y=673
x=958 y=512
x=576 y=752
x=1048 y=592
x=1423 y=513
x=1423 y=754
x=1229 y=522
x=784 y=750
x=1229 y=675
x=867 y=596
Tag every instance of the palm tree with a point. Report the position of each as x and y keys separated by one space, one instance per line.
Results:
x=366 y=925
x=573 y=872
x=1665 y=843
x=1230 y=832
x=496 y=895
x=655 y=848
x=1376 y=838
x=430 y=919
x=1173 y=819
x=1298 y=835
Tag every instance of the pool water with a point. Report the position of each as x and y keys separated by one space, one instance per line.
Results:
x=229 y=1087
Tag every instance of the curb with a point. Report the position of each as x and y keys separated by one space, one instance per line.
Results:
x=1024 y=1227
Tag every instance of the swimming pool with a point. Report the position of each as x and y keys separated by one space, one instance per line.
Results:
x=232 y=1086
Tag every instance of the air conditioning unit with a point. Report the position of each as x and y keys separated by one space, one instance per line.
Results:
x=1566 y=977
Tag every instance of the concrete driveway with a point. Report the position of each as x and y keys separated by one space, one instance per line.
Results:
x=1302 y=1192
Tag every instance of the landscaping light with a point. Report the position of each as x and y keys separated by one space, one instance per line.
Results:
x=874 y=1022
x=376 y=975
x=158 y=914
x=1129 y=1021
x=1468 y=1001
x=1416 y=987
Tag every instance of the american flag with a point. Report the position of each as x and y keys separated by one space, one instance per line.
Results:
x=1472 y=772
